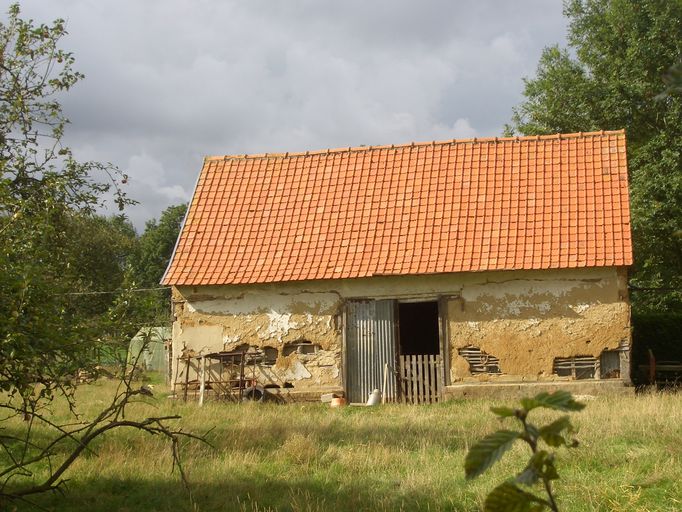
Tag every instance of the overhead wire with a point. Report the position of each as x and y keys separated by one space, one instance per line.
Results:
x=120 y=290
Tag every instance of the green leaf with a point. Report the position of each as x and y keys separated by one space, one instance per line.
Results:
x=532 y=431
x=503 y=412
x=550 y=469
x=529 y=403
x=531 y=474
x=507 y=497
x=540 y=465
x=488 y=451
x=558 y=401
x=551 y=433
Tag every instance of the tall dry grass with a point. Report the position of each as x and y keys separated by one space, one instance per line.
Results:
x=313 y=458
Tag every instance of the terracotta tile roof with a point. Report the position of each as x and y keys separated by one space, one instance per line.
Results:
x=458 y=206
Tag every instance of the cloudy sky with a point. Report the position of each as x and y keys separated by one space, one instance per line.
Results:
x=171 y=81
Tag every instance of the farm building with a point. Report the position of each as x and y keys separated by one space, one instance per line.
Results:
x=148 y=349
x=427 y=270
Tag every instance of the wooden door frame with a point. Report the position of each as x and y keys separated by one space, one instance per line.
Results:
x=396 y=364
x=444 y=335
x=443 y=339
x=344 y=349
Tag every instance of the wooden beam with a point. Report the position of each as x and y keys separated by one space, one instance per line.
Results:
x=202 y=380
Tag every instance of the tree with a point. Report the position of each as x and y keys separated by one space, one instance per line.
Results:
x=156 y=246
x=148 y=262
x=621 y=57
x=44 y=194
x=98 y=252
x=60 y=264
x=673 y=79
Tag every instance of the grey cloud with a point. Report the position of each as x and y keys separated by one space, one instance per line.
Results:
x=168 y=82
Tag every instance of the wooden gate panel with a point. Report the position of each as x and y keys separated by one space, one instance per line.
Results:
x=420 y=378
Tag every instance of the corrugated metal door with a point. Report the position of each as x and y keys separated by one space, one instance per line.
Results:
x=370 y=344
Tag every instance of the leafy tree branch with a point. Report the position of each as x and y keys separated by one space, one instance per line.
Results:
x=514 y=495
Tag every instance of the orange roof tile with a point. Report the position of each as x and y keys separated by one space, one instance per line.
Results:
x=544 y=202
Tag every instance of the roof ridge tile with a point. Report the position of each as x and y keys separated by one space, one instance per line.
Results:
x=474 y=140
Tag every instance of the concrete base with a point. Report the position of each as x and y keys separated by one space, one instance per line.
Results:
x=514 y=390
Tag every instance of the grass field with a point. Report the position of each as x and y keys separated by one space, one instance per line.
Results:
x=313 y=458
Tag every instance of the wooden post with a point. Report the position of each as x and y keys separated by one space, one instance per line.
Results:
x=403 y=380
x=186 y=377
x=432 y=380
x=420 y=379
x=652 y=368
x=202 y=380
x=415 y=380
x=383 y=387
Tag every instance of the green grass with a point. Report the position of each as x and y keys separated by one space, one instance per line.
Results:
x=314 y=458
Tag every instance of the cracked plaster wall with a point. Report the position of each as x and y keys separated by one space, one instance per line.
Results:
x=525 y=318
x=526 y=323
x=225 y=318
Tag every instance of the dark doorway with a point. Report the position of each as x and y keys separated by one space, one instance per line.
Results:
x=418 y=323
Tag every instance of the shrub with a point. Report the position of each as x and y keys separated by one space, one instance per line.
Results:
x=514 y=495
